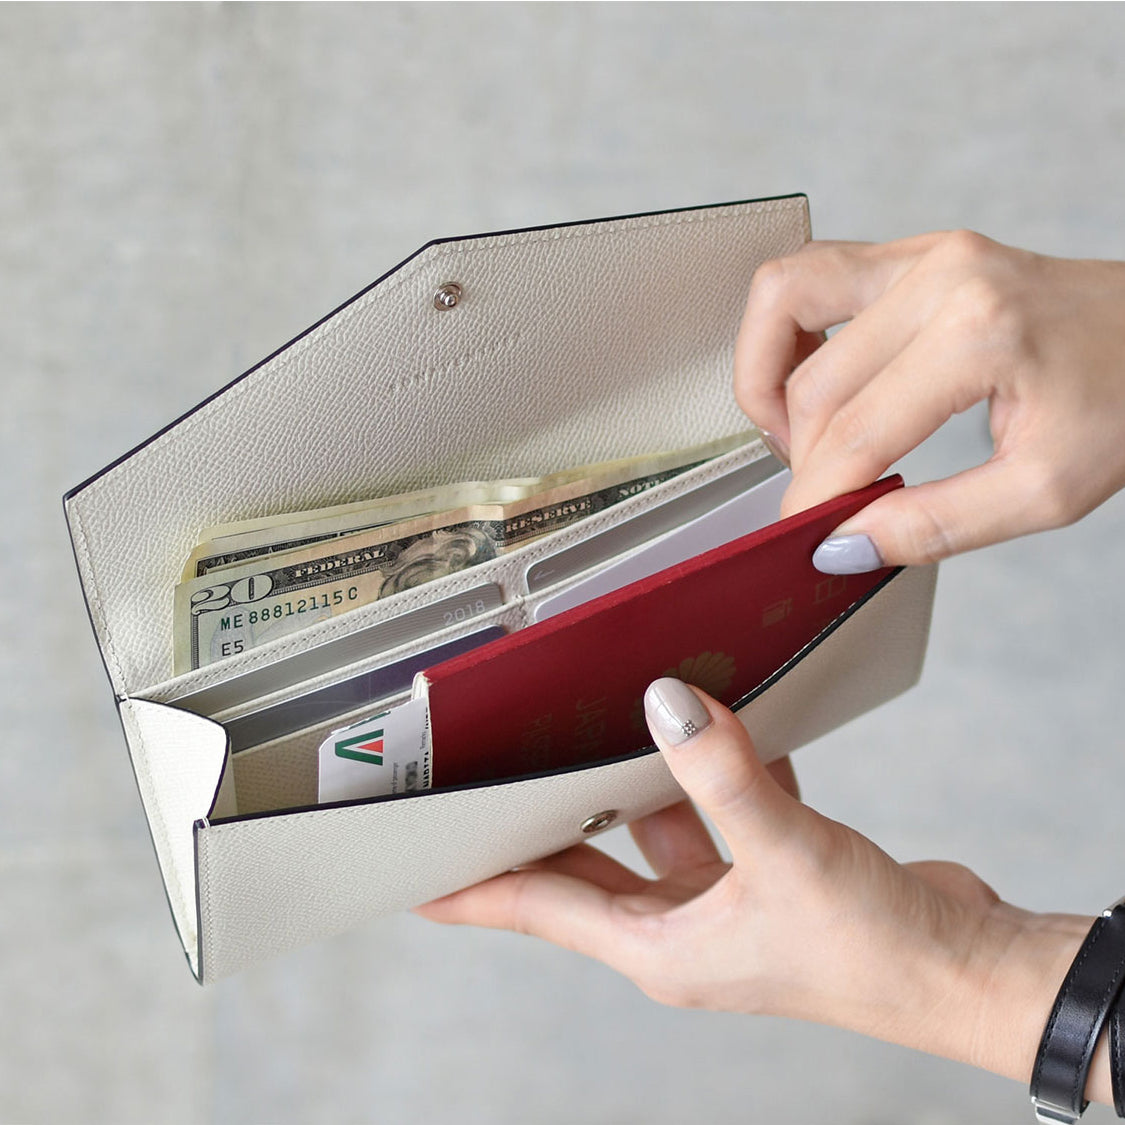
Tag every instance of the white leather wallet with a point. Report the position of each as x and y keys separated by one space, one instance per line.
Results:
x=494 y=356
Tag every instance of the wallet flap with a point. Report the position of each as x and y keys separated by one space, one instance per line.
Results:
x=270 y=883
x=180 y=762
x=568 y=345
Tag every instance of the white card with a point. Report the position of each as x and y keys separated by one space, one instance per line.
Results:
x=386 y=754
x=747 y=512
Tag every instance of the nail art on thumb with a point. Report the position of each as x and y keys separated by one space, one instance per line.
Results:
x=674 y=712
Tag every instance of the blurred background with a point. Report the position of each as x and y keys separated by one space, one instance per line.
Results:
x=185 y=187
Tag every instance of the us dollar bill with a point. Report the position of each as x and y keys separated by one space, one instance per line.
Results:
x=231 y=545
x=242 y=607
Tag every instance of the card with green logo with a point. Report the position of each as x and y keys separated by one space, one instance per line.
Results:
x=386 y=754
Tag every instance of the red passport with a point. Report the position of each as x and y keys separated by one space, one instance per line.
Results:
x=568 y=691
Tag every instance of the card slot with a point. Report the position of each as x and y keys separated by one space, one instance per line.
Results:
x=205 y=689
x=506 y=617
x=467 y=594
x=282 y=774
x=377 y=640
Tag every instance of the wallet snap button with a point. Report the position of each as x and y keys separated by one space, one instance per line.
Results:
x=599 y=821
x=447 y=296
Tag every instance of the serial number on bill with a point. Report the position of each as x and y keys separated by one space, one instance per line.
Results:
x=288 y=609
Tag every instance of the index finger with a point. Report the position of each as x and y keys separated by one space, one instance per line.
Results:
x=794 y=299
x=564 y=909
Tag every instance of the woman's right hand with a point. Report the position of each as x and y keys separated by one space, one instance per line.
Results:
x=934 y=325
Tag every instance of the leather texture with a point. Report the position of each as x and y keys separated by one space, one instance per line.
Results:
x=272 y=883
x=570 y=345
x=1092 y=984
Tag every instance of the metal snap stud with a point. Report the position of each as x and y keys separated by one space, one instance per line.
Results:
x=599 y=821
x=447 y=296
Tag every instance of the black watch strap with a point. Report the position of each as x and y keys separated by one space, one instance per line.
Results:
x=1091 y=986
x=1117 y=1052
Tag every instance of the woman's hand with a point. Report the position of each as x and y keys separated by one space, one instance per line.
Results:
x=935 y=324
x=809 y=920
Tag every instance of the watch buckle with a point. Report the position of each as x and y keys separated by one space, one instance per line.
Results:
x=1049 y=1114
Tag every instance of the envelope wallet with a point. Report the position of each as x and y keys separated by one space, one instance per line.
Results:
x=503 y=355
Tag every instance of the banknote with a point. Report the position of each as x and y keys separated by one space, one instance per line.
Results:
x=218 y=615
x=232 y=544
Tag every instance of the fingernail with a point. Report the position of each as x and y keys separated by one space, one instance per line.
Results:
x=776 y=446
x=847 y=554
x=674 y=710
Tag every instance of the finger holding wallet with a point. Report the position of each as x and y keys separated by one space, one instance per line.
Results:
x=931 y=326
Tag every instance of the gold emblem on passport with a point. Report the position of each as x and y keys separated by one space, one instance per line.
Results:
x=711 y=671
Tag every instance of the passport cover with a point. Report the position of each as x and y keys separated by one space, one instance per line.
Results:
x=572 y=686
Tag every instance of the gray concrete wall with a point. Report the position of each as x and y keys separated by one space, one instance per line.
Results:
x=182 y=188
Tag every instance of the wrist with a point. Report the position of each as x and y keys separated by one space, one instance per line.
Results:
x=1018 y=971
x=982 y=990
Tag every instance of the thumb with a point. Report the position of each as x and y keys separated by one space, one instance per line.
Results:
x=710 y=754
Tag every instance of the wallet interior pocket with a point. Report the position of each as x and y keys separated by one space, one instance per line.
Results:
x=274 y=766
x=282 y=774
x=311 y=688
x=568 y=691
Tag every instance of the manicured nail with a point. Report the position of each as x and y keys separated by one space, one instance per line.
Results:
x=847 y=554
x=674 y=710
x=776 y=446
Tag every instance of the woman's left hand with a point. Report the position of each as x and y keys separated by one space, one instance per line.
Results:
x=810 y=919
